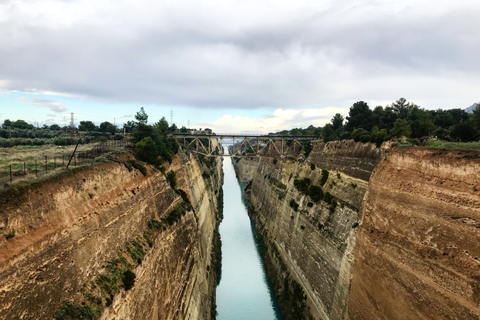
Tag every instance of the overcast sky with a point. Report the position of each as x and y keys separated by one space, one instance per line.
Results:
x=233 y=65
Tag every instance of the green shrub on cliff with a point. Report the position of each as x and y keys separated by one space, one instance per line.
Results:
x=10 y=235
x=128 y=279
x=172 y=179
x=74 y=312
x=294 y=205
x=302 y=184
x=315 y=193
x=324 y=177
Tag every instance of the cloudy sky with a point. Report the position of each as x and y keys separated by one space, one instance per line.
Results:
x=233 y=65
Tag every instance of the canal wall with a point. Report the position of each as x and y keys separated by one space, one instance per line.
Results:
x=115 y=241
x=395 y=238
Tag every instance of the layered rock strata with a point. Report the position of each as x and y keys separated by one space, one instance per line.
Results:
x=111 y=242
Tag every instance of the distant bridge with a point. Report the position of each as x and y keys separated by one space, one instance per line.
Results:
x=243 y=145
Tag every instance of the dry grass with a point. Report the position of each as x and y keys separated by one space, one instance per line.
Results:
x=22 y=159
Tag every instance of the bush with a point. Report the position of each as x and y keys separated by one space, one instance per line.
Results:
x=274 y=160
x=172 y=179
x=328 y=198
x=315 y=193
x=324 y=177
x=294 y=204
x=147 y=150
x=302 y=184
x=73 y=311
x=312 y=166
x=128 y=279
x=354 y=185
x=10 y=235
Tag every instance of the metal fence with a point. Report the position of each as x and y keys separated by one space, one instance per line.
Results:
x=24 y=170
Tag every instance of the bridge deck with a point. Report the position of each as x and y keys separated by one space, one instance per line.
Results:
x=243 y=136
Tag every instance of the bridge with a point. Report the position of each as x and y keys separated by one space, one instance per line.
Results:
x=243 y=145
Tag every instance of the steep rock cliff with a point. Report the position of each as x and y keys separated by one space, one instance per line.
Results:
x=308 y=250
x=402 y=243
x=77 y=239
x=418 y=248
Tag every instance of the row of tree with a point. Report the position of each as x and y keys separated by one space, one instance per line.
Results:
x=401 y=118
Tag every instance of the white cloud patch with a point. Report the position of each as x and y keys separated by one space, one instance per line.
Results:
x=53 y=105
x=243 y=54
x=282 y=119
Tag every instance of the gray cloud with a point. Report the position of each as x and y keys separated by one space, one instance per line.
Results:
x=246 y=55
x=53 y=105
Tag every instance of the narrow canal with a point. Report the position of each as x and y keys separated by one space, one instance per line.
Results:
x=244 y=291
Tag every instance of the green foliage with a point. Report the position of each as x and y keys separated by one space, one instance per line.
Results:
x=205 y=175
x=315 y=192
x=274 y=160
x=135 y=249
x=324 y=177
x=10 y=235
x=74 y=312
x=108 y=127
x=310 y=204
x=353 y=185
x=128 y=279
x=87 y=126
x=294 y=204
x=172 y=179
x=302 y=184
x=307 y=148
x=141 y=116
x=137 y=165
x=176 y=213
x=361 y=135
x=401 y=128
x=312 y=166
x=278 y=184
x=327 y=197
x=163 y=169
x=147 y=150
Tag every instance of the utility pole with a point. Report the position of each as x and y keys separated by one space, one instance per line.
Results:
x=171 y=116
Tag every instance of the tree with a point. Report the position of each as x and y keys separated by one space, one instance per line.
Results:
x=465 y=131
x=402 y=108
x=401 y=128
x=7 y=123
x=55 y=127
x=129 y=126
x=147 y=150
x=359 y=116
x=475 y=117
x=337 y=121
x=108 y=127
x=87 y=126
x=141 y=116
x=161 y=127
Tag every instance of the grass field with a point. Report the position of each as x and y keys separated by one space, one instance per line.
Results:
x=475 y=145
x=39 y=162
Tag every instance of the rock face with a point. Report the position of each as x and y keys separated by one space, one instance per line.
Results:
x=418 y=249
x=309 y=250
x=75 y=239
x=401 y=243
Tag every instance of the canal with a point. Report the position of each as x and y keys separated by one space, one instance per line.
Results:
x=244 y=291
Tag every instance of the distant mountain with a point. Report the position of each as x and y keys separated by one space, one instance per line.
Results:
x=471 y=108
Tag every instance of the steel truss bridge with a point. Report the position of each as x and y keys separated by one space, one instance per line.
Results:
x=246 y=145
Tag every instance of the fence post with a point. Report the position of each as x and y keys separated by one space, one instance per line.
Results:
x=11 y=173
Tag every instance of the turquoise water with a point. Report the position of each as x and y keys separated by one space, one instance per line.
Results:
x=244 y=291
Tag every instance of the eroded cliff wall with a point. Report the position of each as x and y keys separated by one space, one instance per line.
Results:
x=77 y=237
x=402 y=243
x=308 y=250
x=418 y=248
